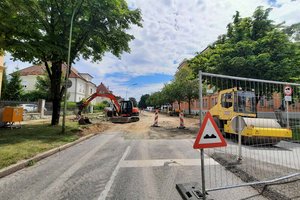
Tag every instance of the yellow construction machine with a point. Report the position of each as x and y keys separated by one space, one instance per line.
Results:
x=233 y=102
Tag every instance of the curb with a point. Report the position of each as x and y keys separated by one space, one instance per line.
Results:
x=25 y=163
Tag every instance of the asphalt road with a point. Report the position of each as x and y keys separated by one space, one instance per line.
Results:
x=108 y=166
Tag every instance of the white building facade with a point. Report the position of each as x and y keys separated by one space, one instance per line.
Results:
x=82 y=85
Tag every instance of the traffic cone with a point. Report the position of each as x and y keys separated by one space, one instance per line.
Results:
x=155 y=119
x=181 y=121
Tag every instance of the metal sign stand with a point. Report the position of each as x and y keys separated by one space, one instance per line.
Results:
x=287 y=115
x=192 y=191
x=238 y=124
x=202 y=174
x=200 y=124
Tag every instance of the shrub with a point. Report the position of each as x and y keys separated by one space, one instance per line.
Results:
x=101 y=106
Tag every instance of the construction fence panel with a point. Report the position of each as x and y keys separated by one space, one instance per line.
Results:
x=269 y=149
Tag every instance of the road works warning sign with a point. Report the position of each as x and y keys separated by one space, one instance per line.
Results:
x=209 y=135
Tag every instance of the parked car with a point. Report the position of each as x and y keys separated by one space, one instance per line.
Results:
x=30 y=107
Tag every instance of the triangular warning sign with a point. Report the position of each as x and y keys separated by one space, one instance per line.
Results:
x=209 y=135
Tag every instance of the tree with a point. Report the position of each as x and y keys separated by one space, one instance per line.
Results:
x=189 y=86
x=43 y=87
x=14 y=87
x=253 y=47
x=4 y=91
x=133 y=100
x=168 y=94
x=293 y=31
x=142 y=103
x=155 y=99
x=38 y=31
x=177 y=92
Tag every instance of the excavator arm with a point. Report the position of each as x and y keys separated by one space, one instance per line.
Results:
x=110 y=96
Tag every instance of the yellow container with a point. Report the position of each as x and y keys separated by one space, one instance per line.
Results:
x=12 y=114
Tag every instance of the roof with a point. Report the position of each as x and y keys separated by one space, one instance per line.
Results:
x=102 y=89
x=39 y=70
x=86 y=74
x=33 y=70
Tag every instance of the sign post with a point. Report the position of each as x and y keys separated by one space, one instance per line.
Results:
x=209 y=136
x=288 y=91
x=238 y=124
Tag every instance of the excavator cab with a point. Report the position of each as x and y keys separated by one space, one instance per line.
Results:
x=126 y=108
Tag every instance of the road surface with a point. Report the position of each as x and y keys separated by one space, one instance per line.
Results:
x=119 y=165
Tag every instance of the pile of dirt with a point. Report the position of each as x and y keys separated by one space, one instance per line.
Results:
x=143 y=129
x=167 y=128
x=93 y=128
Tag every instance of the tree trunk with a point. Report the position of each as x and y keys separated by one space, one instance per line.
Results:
x=179 y=106
x=56 y=91
x=189 y=106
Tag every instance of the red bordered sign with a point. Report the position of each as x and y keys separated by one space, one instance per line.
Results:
x=209 y=135
x=288 y=91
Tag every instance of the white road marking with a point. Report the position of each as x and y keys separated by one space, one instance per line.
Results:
x=166 y=162
x=113 y=176
x=62 y=179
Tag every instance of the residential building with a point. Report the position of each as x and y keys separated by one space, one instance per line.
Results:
x=82 y=85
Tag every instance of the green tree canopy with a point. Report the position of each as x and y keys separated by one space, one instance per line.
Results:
x=14 y=87
x=142 y=102
x=133 y=100
x=253 y=47
x=155 y=99
x=4 y=91
x=38 y=31
x=42 y=86
x=189 y=84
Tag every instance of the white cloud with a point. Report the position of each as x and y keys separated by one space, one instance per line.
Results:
x=174 y=30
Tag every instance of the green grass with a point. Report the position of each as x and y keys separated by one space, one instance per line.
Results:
x=296 y=133
x=28 y=141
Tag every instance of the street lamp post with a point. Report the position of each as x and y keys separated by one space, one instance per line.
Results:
x=67 y=73
x=127 y=89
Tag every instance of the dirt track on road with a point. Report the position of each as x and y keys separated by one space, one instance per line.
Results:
x=167 y=128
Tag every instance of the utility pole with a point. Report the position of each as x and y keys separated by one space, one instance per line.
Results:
x=68 y=68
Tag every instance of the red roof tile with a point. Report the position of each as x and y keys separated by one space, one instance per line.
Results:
x=102 y=89
x=41 y=70
x=33 y=70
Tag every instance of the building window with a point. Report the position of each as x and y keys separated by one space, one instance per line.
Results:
x=91 y=90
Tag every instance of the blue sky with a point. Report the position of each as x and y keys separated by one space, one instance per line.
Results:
x=172 y=31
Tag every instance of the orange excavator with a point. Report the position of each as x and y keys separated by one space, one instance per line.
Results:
x=123 y=112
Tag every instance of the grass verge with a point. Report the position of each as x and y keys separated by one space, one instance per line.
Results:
x=296 y=133
x=31 y=139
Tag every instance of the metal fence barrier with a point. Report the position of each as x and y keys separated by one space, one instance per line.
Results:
x=268 y=149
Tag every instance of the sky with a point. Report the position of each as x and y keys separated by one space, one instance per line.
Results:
x=172 y=31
